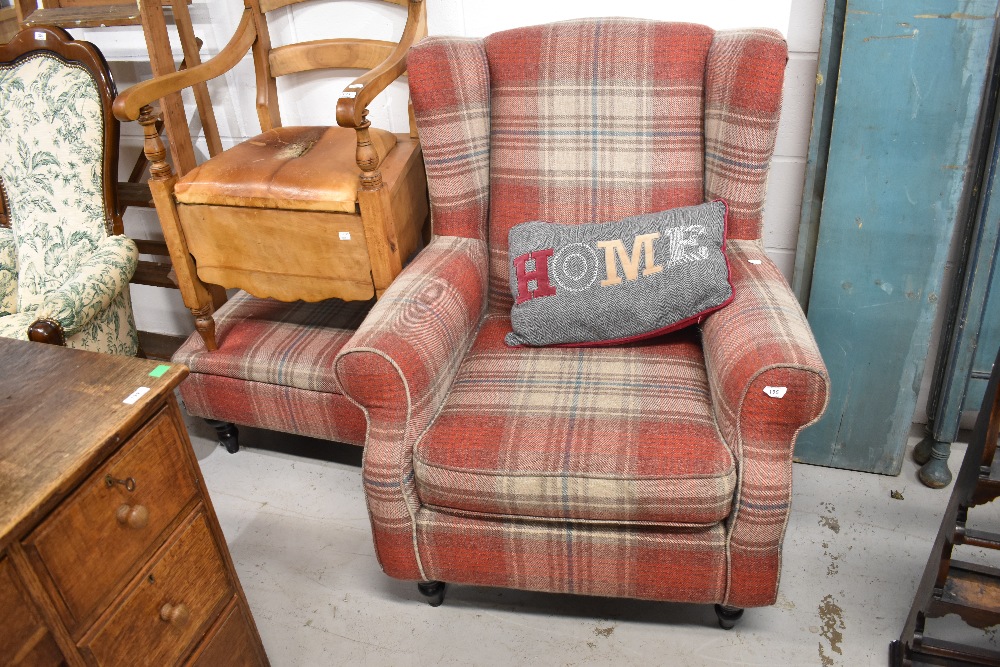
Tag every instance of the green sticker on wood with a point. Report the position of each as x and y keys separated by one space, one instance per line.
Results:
x=159 y=370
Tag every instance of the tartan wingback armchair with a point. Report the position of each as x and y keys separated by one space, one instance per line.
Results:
x=64 y=263
x=659 y=470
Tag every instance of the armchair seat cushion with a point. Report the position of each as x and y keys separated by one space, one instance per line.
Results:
x=296 y=168
x=562 y=433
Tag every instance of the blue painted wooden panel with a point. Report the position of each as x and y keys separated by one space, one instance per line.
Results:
x=819 y=147
x=908 y=93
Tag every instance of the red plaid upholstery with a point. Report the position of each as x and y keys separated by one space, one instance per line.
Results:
x=398 y=368
x=583 y=558
x=274 y=367
x=454 y=109
x=780 y=352
x=604 y=471
x=742 y=105
x=578 y=434
x=593 y=121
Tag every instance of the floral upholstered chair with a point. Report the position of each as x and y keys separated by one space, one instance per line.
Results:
x=657 y=470
x=64 y=265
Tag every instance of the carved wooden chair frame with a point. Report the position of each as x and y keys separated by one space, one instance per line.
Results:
x=252 y=35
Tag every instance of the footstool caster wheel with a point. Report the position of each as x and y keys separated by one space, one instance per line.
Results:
x=433 y=591
x=227 y=433
x=728 y=616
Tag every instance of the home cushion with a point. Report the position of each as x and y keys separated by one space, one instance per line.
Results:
x=556 y=434
x=616 y=282
x=300 y=168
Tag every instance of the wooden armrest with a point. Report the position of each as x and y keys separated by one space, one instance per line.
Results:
x=353 y=103
x=128 y=104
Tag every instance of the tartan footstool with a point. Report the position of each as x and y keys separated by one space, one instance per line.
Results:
x=274 y=369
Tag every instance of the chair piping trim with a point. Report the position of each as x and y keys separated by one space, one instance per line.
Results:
x=409 y=414
x=739 y=474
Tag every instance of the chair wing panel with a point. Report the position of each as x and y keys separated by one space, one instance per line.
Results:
x=450 y=88
x=743 y=86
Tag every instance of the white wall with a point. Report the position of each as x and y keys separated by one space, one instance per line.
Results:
x=311 y=98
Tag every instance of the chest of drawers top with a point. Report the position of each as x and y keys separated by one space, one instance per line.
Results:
x=62 y=412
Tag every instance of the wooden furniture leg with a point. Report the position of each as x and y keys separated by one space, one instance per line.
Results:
x=198 y=296
x=950 y=586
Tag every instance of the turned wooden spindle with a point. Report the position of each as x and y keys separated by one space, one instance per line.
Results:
x=205 y=324
x=196 y=294
x=152 y=146
x=367 y=158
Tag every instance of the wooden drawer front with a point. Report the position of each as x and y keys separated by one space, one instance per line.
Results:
x=170 y=608
x=232 y=642
x=95 y=540
x=286 y=255
x=24 y=639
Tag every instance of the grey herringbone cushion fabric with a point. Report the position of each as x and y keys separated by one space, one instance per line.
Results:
x=618 y=281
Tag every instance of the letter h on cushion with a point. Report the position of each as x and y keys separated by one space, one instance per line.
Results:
x=659 y=470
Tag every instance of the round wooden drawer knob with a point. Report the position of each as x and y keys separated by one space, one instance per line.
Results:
x=133 y=517
x=177 y=615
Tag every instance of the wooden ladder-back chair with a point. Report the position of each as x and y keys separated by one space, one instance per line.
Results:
x=68 y=14
x=296 y=213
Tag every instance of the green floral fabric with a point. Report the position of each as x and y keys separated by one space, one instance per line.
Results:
x=8 y=272
x=67 y=267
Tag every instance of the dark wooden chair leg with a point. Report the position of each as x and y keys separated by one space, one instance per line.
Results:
x=228 y=434
x=433 y=591
x=950 y=586
x=728 y=616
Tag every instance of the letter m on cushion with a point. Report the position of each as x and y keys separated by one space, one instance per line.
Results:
x=539 y=273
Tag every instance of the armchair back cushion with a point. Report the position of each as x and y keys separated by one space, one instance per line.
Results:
x=592 y=121
x=51 y=153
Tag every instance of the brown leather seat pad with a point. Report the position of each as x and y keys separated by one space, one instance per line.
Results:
x=300 y=168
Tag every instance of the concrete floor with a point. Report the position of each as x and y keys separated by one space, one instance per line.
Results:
x=298 y=532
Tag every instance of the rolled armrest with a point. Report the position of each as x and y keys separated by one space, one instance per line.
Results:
x=8 y=272
x=354 y=101
x=768 y=382
x=398 y=367
x=100 y=279
x=128 y=104
x=762 y=336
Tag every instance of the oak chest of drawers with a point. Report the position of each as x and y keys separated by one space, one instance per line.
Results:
x=110 y=550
